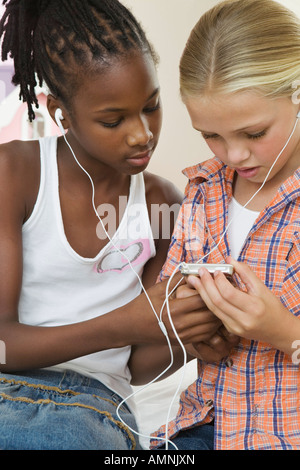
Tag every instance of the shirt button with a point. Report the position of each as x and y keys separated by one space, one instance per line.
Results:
x=209 y=403
x=229 y=362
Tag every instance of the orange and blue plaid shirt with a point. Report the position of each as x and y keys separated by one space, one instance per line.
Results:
x=253 y=395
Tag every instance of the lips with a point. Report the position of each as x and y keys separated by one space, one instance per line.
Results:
x=141 y=159
x=247 y=172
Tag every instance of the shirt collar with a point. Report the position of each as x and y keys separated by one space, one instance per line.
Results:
x=210 y=169
x=205 y=170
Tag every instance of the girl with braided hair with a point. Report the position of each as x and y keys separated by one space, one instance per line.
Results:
x=238 y=75
x=70 y=306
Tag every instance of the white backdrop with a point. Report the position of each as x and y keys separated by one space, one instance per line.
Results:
x=168 y=24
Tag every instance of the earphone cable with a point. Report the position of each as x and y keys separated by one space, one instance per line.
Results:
x=159 y=319
x=167 y=296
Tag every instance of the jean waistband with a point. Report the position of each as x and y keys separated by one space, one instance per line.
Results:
x=65 y=379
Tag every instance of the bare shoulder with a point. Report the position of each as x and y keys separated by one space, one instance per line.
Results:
x=159 y=190
x=19 y=172
x=17 y=154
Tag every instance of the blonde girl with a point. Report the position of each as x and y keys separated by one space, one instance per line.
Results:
x=70 y=308
x=238 y=72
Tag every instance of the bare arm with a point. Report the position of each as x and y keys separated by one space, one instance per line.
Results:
x=148 y=361
x=29 y=347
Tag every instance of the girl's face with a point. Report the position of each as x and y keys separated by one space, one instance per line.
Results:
x=116 y=116
x=247 y=132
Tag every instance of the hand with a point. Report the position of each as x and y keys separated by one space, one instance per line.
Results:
x=215 y=348
x=191 y=318
x=184 y=290
x=256 y=314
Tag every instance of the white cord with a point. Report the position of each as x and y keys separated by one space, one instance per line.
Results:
x=159 y=320
x=211 y=251
x=255 y=194
x=166 y=302
x=140 y=390
x=105 y=231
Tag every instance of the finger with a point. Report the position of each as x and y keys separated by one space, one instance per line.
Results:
x=195 y=326
x=188 y=303
x=229 y=294
x=220 y=296
x=177 y=279
x=252 y=282
x=213 y=289
x=183 y=292
x=195 y=319
x=206 y=353
x=229 y=337
x=199 y=333
x=220 y=345
x=166 y=287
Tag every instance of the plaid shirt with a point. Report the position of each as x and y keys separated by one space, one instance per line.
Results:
x=253 y=395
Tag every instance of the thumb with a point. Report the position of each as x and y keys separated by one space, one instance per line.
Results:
x=252 y=282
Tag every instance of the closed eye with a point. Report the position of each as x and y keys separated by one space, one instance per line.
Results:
x=152 y=109
x=209 y=136
x=111 y=125
x=147 y=110
x=257 y=136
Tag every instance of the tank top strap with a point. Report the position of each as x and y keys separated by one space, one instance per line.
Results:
x=48 y=169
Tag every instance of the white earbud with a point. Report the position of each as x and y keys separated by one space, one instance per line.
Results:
x=298 y=115
x=58 y=118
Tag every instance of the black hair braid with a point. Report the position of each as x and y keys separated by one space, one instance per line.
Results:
x=19 y=21
x=48 y=39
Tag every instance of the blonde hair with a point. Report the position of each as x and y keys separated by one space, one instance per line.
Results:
x=240 y=45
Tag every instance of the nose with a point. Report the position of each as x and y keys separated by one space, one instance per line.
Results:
x=237 y=154
x=140 y=133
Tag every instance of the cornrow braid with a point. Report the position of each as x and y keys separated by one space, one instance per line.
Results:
x=48 y=39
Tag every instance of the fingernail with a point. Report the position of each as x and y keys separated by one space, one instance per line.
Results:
x=201 y=272
x=192 y=280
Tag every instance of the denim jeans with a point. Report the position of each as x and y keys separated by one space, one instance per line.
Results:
x=198 y=438
x=47 y=410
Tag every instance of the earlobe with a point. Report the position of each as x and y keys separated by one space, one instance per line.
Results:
x=58 y=119
x=53 y=105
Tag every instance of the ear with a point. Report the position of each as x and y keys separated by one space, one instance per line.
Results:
x=52 y=105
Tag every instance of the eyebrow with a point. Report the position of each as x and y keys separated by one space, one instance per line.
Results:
x=118 y=110
x=259 y=124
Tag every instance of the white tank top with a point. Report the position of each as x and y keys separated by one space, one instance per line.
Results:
x=61 y=287
x=242 y=222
